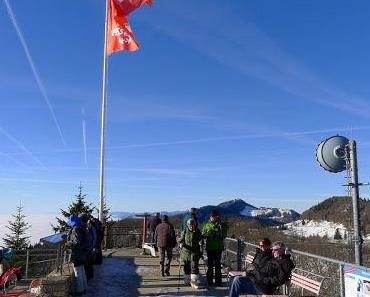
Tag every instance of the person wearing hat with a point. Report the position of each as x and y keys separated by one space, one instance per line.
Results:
x=76 y=241
x=165 y=238
x=214 y=231
x=190 y=242
x=192 y=214
x=267 y=278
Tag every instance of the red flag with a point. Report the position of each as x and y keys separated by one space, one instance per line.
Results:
x=128 y=6
x=120 y=36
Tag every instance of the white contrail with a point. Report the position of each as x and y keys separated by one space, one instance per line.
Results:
x=16 y=161
x=84 y=135
x=22 y=147
x=33 y=67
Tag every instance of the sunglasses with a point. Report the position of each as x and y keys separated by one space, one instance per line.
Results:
x=275 y=249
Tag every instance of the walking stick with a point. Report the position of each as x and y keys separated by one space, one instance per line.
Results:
x=180 y=264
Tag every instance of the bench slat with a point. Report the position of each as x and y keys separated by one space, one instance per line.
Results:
x=249 y=259
x=235 y=273
x=304 y=278
x=306 y=285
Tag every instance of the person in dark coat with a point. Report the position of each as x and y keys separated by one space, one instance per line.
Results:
x=262 y=256
x=152 y=225
x=98 y=259
x=266 y=279
x=76 y=242
x=192 y=214
x=166 y=240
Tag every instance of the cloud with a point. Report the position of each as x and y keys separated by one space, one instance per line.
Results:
x=243 y=47
x=22 y=148
x=33 y=68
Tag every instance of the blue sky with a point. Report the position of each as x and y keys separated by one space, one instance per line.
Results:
x=225 y=99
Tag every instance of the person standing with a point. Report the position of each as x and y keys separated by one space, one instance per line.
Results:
x=76 y=241
x=192 y=214
x=166 y=241
x=152 y=225
x=190 y=243
x=214 y=231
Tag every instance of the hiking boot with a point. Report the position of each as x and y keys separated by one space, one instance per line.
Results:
x=194 y=282
x=162 y=273
x=167 y=273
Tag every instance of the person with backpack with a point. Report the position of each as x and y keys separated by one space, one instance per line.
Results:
x=166 y=240
x=76 y=242
x=214 y=231
x=191 y=242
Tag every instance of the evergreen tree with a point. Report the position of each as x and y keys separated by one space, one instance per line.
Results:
x=17 y=238
x=106 y=212
x=78 y=206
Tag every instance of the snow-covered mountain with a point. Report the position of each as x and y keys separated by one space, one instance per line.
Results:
x=119 y=215
x=239 y=208
x=282 y=215
x=321 y=228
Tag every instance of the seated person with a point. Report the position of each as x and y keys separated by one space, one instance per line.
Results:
x=263 y=255
x=267 y=278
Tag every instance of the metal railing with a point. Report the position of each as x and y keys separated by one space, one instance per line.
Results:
x=330 y=269
x=37 y=263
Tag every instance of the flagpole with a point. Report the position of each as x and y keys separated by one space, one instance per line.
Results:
x=103 y=114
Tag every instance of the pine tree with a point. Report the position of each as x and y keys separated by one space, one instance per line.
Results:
x=75 y=208
x=106 y=212
x=17 y=238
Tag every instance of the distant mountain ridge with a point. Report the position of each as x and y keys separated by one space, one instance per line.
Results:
x=338 y=209
x=233 y=209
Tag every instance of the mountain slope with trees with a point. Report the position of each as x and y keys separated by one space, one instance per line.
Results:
x=338 y=209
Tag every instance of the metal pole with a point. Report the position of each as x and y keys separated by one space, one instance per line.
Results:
x=103 y=113
x=341 y=275
x=239 y=255
x=355 y=201
x=27 y=263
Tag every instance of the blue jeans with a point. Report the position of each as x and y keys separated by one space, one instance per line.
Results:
x=242 y=284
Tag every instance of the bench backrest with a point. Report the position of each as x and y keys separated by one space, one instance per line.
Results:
x=249 y=259
x=306 y=283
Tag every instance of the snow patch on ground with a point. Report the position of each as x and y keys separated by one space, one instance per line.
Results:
x=40 y=225
x=314 y=228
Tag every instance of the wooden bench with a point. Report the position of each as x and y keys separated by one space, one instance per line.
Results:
x=306 y=281
x=300 y=279
x=248 y=259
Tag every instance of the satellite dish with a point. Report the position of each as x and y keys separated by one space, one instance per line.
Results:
x=331 y=153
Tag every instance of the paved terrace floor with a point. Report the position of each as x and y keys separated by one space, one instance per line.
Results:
x=126 y=273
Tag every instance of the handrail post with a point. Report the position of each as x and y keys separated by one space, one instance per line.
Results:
x=239 y=254
x=341 y=275
x=27 y=262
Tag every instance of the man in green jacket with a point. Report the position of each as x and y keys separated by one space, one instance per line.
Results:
x=215 y=232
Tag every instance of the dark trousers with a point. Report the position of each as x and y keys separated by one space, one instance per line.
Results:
x=89 y=266
x=191 y=267
x=214 y=262
x=163 y=252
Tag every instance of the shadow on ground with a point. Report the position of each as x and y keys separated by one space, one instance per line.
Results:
x=117 y=277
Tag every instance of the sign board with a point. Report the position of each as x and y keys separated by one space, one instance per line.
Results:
x=356 y=281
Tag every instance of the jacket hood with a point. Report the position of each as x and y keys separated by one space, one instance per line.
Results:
x=74 y=221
